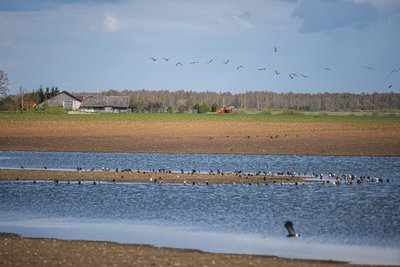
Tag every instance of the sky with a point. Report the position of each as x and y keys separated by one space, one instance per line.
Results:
x=95 y=45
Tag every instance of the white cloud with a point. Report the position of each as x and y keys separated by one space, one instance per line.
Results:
x=111 y=23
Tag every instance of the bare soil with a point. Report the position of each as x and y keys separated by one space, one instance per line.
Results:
x=20 y=251
x=313 y=137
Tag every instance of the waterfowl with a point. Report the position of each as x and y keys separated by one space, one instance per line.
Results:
x=290 y=229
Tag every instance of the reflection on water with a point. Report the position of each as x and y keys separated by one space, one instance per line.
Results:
x=354 y=221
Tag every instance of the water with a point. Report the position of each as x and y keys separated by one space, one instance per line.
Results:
x=357 y=223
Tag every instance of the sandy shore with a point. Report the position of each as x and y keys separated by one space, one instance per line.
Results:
x=21 y=251
x=144 y=177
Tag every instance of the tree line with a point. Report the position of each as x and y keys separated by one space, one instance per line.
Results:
x=187 y=101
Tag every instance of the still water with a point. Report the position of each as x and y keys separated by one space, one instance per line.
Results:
x=357 y=223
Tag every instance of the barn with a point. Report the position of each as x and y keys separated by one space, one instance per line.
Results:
x=107 y=104
x=65 y=100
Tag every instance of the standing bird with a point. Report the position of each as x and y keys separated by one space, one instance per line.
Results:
x=290 y=229
x=226 y=62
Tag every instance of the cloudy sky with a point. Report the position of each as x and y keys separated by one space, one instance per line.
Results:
x=95 y=45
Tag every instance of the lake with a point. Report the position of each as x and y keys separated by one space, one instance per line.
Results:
x=357 y=223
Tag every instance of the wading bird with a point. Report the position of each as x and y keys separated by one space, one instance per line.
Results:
x=290 y=229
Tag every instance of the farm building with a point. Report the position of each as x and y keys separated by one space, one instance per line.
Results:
x=105 y=104
x=64 y=100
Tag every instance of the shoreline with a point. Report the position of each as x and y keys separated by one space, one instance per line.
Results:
x=74 y=176
x=16 y=250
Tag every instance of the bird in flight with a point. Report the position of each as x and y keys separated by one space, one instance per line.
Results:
x=208 y=62
x=226 y=62
x=240 y=67
x=291 y=76
x=194 y=62
x=294 y=74
x=261 y=69
x=328 y=69
x=390 y=86
x=304 y=76
x=178 y=64
x=277 y=72
x=290 y=229
x=166 y=59
x=154 y=59
x=394 y=71
x=275 y=49
x=368 y=67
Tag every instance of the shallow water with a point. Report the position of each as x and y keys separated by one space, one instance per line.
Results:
x=357 y=223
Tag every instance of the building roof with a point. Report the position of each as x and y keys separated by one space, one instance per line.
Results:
x=71 y=95
x=105 y=101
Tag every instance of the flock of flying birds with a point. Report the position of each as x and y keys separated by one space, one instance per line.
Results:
x=275 y=49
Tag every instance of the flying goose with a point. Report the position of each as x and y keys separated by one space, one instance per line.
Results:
x=290 y=229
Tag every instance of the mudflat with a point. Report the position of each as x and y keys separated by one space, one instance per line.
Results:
x=19 y=251
x=303 y=135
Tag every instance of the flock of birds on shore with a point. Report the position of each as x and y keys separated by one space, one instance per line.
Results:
x=333 y=178
x=291 y=75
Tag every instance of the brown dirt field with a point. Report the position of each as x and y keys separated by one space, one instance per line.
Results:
x=308 y=137
x=19 y=251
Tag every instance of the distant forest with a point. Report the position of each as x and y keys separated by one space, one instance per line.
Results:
x=186 y=101
x=254 y=101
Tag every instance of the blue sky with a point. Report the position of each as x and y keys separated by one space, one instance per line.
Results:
x=95 y=45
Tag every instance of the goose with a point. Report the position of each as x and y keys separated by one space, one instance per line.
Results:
x=209 y=62
x=178 y=64
x=154 y=59
x=226 y=62
x=261 y=69
x=277 y=72
x=166 y=59
x=239 y=67
x=275 y=49
x=328 y=69
x=290 y=229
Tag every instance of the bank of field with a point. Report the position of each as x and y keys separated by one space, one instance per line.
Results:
x=311 y=134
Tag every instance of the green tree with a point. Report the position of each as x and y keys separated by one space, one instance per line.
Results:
x=214 y=107
x=170 y=109
x=3 y=83
x=203 y=108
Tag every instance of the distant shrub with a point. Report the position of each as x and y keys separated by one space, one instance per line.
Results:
x=240 y=111
x=266 y=111
x=291 y=112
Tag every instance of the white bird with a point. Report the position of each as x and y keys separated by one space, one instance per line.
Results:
x=290 y=229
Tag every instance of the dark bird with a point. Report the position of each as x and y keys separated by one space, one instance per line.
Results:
x=394 y=71
x=166 y=59
x=178 y=64
x=261 y=69
x=290 y=229
x=275 y=49
x=304 y=76
x=239 y=67
x=328 y=69
x=294 y=74
x=291 y=76
x=226 y=62
x=154 y=59
x=368 y=67
x=277 y=72
x=208 y=62
x=194 y=62
x=390 y=86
